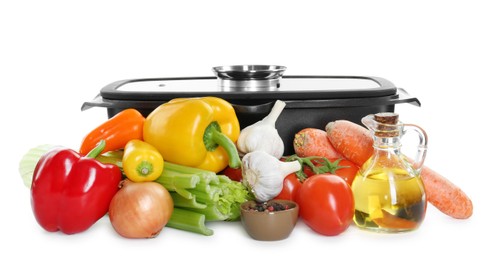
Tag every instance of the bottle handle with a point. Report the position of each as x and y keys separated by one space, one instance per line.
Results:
x=418 y=161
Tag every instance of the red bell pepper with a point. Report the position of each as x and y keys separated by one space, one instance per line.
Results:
x=71 y=192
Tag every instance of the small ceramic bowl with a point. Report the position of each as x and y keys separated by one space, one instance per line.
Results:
x=269 y=225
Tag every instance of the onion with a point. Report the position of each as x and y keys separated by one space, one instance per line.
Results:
x=140 y=210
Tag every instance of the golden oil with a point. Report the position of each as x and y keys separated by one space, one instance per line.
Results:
x=388 y=200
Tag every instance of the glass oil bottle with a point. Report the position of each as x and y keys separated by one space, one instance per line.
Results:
x=389 y=194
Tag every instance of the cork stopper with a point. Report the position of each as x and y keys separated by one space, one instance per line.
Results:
x=387 y=124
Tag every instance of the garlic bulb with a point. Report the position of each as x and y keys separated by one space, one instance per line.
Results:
x=263 y=136
x=263 y=174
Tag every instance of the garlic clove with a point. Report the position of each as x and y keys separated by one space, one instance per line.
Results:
x=263 y=174
x=261 y=138
x=263 y=135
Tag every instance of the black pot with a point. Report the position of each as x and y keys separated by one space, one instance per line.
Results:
x=311 y=101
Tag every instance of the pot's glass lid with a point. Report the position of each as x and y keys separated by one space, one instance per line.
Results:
x=250 y=82
x=287 y=87
x=286 y=84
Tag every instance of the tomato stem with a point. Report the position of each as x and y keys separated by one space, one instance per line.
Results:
x=326 y=166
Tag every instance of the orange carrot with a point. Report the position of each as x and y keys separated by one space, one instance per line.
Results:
x=355 y=143
x=445 y=195
x=351 y=140
x=313 y=142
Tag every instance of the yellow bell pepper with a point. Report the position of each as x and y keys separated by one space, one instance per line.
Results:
x=195 y=132
x=141 y=161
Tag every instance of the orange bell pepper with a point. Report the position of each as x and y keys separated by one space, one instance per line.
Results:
x=116 y=131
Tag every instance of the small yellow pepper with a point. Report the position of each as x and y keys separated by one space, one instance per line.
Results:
x=141 y=161
x=195 y=132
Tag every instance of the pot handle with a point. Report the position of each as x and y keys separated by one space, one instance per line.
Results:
x=403 y=97
x=99 y=101
x=96 y=102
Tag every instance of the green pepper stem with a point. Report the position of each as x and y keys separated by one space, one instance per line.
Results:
x=145 y=168
x=230 y=148
x=97 y=150
x=213 y=137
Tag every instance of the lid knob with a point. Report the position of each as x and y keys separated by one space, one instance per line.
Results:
x=249 y=77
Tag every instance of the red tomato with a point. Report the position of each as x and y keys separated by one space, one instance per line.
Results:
x=233 y=174
x=347 y=173
x=326 y=204
x=291 y=186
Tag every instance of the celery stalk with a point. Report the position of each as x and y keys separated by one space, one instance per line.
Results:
x=211 y=179
x=201 y=195
x=184 y=193
x=205 y=176
x=224 y=179
x=181 y=202
x=205 y=197
x=201 y=186
x=112 y=157
x=189 y=221
x=212 y=213
x=173 y=180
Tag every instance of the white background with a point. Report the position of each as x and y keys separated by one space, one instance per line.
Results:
x=55 y=55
